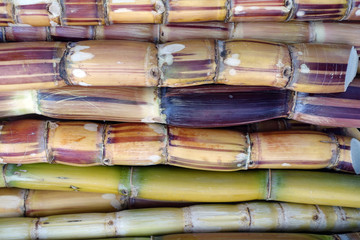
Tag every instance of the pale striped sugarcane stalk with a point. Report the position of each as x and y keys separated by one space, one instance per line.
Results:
x=246 y=236
x=254 y=216
x=292 y=32
x=100 y=12
x=178 y=184
x=15 y=202
x=313 y=68
x=89 y=143
x=201 y=106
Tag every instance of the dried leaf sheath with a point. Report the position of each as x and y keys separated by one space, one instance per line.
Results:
x=180 y=64
x=201 y=106
x=256 y=216
x=157 y=183
x=100 y=12
x=89 y=143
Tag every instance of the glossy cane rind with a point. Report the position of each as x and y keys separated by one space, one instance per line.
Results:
x=23 y=142
x=79 y=12
x=313 y=10
x=112 y=104
x=26 y=34
x=94 y=63
x=71 y=33
x=75 y=143
x=32 y=66
x=302 y=149
x=12 y=202
x=38 y=12
x=254 y=63
x=206 y=106
x=45 y=203
x=313 y=63
x=187 y=63
x=133 y=32
x=135 y=144
x=195 y=11
x=289 y=32
x=340 y=109
x=207 y=149
x=258 y=10
x=182 y=31
x=139 y=11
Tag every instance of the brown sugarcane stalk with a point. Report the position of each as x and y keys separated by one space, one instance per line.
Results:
x=200 y=106
x=187 y=185
x=16 y=202
x=100 y=12
x=90 y=143
x=255 y=216
x=246 y=236
x=301 y=67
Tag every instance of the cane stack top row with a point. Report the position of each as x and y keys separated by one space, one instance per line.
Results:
x=101 y=12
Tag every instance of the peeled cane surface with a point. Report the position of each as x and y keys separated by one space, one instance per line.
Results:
x=100 y=12
x=313 y=68
x=177 y=184
x=90 y=143
x=201 y=106
x=254 y=216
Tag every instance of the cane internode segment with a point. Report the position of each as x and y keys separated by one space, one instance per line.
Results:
x=101 y=12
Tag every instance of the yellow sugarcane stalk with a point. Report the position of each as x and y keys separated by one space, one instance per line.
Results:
x=90 y=143
x=253 y=216
x=177 y=184
x=33 y=203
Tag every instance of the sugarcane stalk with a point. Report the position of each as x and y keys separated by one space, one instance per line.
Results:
x=100 y=12
x=179 y=184
x=254 y=216
x=201 y=106
x=246 y=236
x=15 y=202
x=90 y=143
x=310 y=68
x=291 y=32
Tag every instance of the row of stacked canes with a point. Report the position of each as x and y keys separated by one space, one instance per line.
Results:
x=253 y=124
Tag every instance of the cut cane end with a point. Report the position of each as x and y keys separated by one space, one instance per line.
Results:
x=352 y=66
x=355 y=154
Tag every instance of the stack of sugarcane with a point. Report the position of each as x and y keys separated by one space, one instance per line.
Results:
x=145 y=130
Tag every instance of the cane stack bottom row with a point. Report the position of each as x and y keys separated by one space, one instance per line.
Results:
x=217 y=137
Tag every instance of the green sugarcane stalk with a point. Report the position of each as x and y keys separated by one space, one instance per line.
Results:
x=177 y=184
